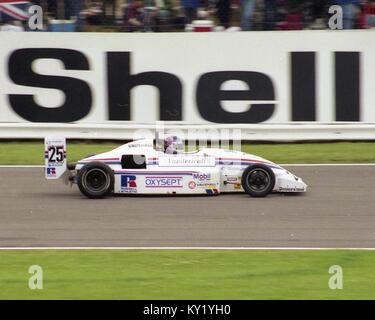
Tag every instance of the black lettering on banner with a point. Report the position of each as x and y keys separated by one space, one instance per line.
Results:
x=209 y=96
x=303 y=86
x=78 y=97
x=55 y=154
x=347 y=90
x=120 y=82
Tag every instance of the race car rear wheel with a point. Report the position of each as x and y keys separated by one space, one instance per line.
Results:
x=95 y=180
x=258 y=180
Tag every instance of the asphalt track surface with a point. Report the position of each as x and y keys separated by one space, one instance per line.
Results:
x=337 y=211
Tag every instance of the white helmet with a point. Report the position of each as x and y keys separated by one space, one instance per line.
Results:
x=173 y=145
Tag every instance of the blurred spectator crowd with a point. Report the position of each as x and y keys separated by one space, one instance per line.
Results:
x=185 y=15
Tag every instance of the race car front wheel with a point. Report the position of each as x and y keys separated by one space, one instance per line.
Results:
x=95 y=180
x=258 y=180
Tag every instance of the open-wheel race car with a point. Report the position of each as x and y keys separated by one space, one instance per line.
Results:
x=143 y=167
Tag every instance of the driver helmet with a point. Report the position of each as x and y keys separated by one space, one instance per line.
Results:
x=173 y=145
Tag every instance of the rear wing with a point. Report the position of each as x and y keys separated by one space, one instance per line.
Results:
x=55 y=157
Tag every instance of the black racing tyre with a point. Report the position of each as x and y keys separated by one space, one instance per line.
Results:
x=95 y=180
x=258 y=180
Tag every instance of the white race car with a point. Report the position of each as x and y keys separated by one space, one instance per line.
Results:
x=141 y=167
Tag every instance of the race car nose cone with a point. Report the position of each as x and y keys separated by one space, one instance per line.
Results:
x=303 y=185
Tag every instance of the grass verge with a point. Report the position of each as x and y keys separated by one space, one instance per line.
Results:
x=18 y=153
x=187 y=274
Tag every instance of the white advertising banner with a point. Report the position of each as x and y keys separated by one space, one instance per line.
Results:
x=197 y=78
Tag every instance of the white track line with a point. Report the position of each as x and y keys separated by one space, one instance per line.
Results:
x=20 y=166
x=184 y=248
x=327 y=164
x=284 y=165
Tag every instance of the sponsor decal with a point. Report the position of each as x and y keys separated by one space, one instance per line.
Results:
x=187 y=161
x=192 y=185
x=140 y=145
x=128 y=183
x=232 y=178
x=117 y=71
x=163 y=182
x=51 y=172
x=212 y=191
x=281 y=189
x=207 y=185
x=202 y=176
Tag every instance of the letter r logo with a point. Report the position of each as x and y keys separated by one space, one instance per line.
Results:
x=128 y=181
